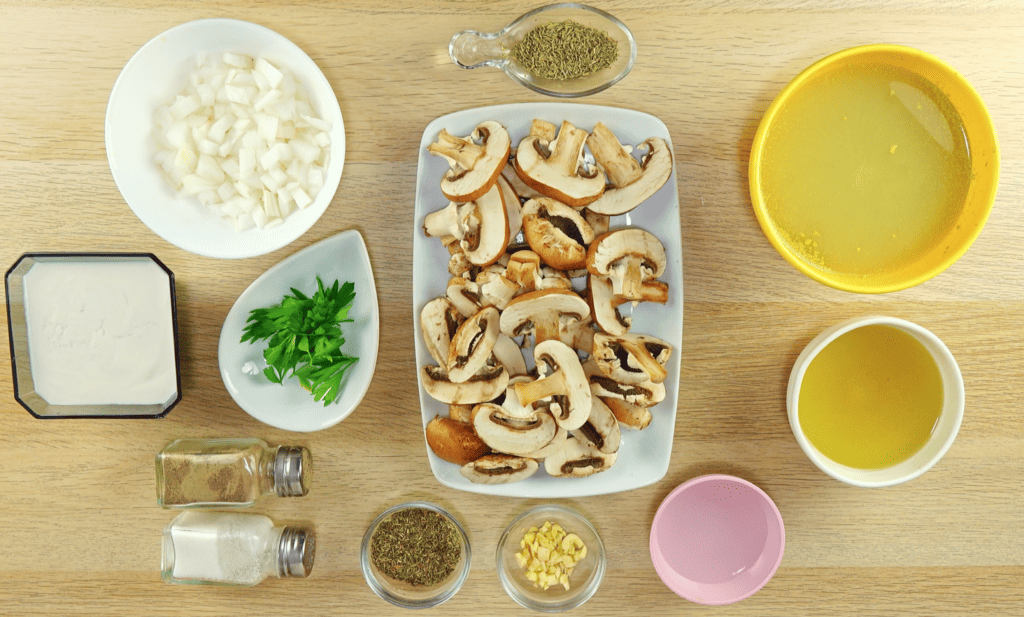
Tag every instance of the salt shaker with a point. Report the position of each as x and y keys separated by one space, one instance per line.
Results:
x=193 y=473
x=232 y=548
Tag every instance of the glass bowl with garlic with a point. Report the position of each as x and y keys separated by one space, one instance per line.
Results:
x=550 y=559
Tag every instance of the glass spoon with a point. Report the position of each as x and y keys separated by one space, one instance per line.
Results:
x=471 y=49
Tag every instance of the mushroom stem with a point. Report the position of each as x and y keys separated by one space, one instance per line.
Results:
x=462 y=151
x=628 y=282
x=532 y=391
x=443 y=222
x=566 y=154
x=621 y=168
x=546 y=327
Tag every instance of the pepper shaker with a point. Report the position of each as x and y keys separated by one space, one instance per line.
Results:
x=192 y=473
x=231 y=548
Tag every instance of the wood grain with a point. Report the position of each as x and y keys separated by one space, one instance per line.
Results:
x=82 y=528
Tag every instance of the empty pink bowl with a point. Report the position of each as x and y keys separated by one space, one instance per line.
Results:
x=717 y=539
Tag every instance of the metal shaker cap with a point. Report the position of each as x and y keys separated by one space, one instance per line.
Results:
x=296 y=552
x=291 y=471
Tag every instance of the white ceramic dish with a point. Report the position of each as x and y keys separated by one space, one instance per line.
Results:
x=287 y=406
x=644 y=455
x=943 y=434
x=151 y=78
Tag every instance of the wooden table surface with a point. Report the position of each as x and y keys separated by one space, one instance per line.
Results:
x=81 y=527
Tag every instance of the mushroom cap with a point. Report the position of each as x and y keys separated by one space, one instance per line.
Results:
x=632 y=358
x=454 y=441
x=557 y=233
x=555 y=172
x=464 y=185
x=510 y=435
x=552 y=446
x=439 y=321
x=485 y=243
x=601 y=428
x=484 y=386
x=609 y=248
x=577 y=459
x=472 y=344
x=565 y=390
x=499 y=469
x=657 y=168
x=522 y=313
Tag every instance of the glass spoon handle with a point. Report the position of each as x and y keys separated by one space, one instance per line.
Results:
x=470 y=49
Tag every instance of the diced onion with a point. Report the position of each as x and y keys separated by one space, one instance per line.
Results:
x=243 y=139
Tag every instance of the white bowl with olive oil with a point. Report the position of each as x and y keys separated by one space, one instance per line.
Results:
x=875 y=401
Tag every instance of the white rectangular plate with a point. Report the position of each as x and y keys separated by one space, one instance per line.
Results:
x=644 y=455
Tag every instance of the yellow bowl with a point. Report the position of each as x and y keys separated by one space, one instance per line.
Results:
x=917 y=260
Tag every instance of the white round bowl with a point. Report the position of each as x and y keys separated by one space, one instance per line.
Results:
x=942 y=436
x=151 y=78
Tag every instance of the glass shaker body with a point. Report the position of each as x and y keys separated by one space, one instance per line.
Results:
x=193 y=473
x=231 y=548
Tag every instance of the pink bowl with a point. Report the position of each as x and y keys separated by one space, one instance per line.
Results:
x=717 y=539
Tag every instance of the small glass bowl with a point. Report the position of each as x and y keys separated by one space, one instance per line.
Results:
x=405 y=594
x=471 y=49
x=586 y=576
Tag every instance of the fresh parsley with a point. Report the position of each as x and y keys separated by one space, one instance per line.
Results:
x=305 y=338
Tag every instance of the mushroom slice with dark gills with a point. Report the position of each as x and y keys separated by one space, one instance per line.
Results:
x=472 y=345
x=601 y=428
x=656 y=167
x=499 y=469
x=632 y=358
x=486 y=385
x=554 y=167
x=562 y=388
x=604 y=304
x=509 y=434
x=544 y=314
x=474 y=166
x=577 y=459
x=556 y=232
x=439 y=321
x=645 y=393
x=628 y=257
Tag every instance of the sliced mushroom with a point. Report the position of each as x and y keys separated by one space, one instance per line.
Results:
x=556 y=444
x=577 y=459
x=495 y=288
x=632 y=358
x=513 y=208
x=628 y=257
x=509 y=355
x=480 y=226
x=509 y=434
x=553 y=167
x=472 y=344
x=543 y=313
x=579 y=335
x=601 y=428
x=645 y=394
x=454 y=441
x=468 y=297
x=600 y=223
x=604 y=303
x=475 y=167
x=621 y=168
x=484 y=386
x=557 y=233
x=633 y=416
x=562 y=387
x=461 y=413
x=543 y=129
x=499 y=469
x=517 y=184
x=439 y=320
x=524 y=269
x=657 y=168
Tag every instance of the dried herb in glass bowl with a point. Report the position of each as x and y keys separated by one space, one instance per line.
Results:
x=416 y=546
x=565 y=50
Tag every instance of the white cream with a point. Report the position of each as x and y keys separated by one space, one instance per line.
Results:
x=100 y=332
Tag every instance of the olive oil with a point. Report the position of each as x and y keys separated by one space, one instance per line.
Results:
x=868 y=166
x=871 y=398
